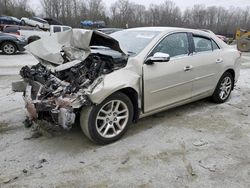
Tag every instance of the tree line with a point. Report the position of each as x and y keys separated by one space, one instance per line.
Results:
x=17 y=8
x=124 y=13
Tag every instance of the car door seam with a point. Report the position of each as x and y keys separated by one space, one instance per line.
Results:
x=172 y=86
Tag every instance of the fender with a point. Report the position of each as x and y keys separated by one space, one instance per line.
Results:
x=113 y=82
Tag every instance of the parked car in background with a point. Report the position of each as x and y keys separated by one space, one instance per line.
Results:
x=52 y=21
x=92 y=24
x=108 y=31
x=10 y=43
x=33 y=35
x=35 y=22
x=14 y=29
x=10 y=20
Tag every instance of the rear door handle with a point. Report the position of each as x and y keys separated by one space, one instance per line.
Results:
x=220 y=60
x=188 y=68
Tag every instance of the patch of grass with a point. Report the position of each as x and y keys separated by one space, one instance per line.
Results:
x=3 y=127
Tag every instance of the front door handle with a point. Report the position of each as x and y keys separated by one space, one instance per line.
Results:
x=188 y=68
x=220 y=60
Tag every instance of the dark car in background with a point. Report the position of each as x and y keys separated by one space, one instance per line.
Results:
x=92 y=24
x=10 y=20
x=53 y=21
x=14 y=29
x=10 y=43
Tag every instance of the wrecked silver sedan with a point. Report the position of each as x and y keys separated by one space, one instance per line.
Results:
x=111 y=81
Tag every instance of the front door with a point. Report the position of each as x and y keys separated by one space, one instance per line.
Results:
x=167 y=83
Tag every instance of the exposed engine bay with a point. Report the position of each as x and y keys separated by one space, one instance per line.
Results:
x=54 y=91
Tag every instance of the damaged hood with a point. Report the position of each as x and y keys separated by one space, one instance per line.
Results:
x=75 y=44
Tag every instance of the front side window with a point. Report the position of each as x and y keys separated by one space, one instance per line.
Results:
x=202 y=44
x=175 y=45
x=57 y=29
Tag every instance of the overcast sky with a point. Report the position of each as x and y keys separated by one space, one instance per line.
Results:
x=181 y=3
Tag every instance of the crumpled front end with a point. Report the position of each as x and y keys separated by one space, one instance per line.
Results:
x=59 y=85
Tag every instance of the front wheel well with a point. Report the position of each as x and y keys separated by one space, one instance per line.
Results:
x=133 y=96
x=33 y=38
x=1 y=44
x=231 y=71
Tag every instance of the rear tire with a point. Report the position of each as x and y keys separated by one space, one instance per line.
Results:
x=9 y=48
x=243 y=44
x=223 y=88
x=107 y=122
x=23 y=23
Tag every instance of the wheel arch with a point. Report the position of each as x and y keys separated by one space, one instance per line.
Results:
x=4 y=41
x=133 y=96
x=33 y=38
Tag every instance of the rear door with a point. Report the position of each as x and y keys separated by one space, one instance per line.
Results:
x=207 y=63
x=170 y=82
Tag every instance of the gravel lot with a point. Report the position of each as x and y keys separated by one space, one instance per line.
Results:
x=196 y=145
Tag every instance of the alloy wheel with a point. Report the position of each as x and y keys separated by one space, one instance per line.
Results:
x=112 y=118
x=9 y=48
x=225 y=88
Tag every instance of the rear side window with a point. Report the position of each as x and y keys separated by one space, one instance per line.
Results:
x=202 y=44
x=57 y=29
x=10 y=30
x=175 y=45
x=66 y=28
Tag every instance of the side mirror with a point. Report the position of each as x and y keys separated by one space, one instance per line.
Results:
x=157 y=57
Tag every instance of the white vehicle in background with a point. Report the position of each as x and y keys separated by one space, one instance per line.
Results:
x=36 y=22
x=33 y=35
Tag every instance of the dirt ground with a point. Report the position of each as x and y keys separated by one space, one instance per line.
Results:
x=197 y=145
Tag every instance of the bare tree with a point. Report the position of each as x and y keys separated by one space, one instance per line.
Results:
x=124 y=13
x=21 y=8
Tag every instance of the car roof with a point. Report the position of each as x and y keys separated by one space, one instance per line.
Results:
x=168 y=29
x=39 y=18
x=165 y=30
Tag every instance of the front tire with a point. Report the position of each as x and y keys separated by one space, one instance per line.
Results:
x=223 y=88
x=108 y=121
x=9 y=48
x=23 y=23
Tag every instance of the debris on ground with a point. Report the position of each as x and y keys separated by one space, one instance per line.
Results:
x=243 y=114
x=210 y=167
x=187 y=164
x=3 y=126
x=34 y=136
x=199 y=143
x=125 y=160
x=10 y=180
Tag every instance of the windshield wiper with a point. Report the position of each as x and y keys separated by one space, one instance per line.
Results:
x=131 y=53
